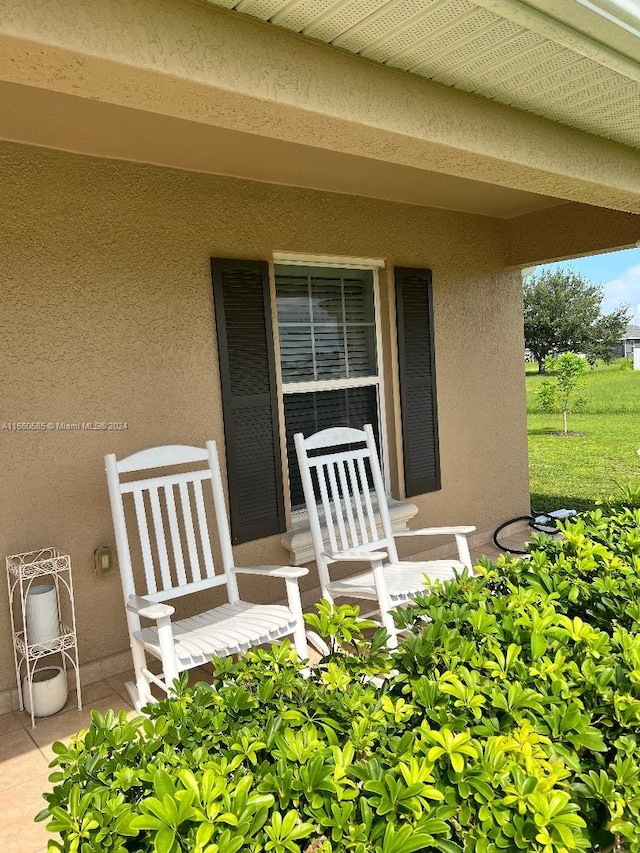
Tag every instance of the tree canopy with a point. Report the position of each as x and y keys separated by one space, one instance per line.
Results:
x=562 y=313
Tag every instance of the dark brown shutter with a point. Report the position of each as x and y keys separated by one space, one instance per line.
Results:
x=414 y=308
x=249 y=402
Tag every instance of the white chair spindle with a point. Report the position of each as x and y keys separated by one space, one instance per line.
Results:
x=336 y=499
x=174 y=530
x=346 y=492
x=203 y=529
x=366 y=493
x=357 y=499
x=161 y=542
x=326 y=506
x=145 y=543
x=337 y=502
x=194 y=560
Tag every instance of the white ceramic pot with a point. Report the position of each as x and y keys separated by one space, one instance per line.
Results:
x=43 y=623
x=49 y=690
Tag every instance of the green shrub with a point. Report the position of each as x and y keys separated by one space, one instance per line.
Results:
x=508 y=721
x=626 y=495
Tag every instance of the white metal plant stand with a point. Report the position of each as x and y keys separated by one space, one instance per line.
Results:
x=22 y=571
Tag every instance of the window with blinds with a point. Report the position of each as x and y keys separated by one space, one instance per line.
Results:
x=329 y=345
x=327 y=331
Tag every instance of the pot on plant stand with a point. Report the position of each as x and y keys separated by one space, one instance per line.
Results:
x=48 y=691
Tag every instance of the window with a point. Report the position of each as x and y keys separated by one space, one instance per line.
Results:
x=328 y=353
x=328 y=330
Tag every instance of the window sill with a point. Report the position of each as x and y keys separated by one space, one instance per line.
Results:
x=299 y=543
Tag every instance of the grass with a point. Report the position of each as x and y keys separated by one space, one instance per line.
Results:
x=574 y=472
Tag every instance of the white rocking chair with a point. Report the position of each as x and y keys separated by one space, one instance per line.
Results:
x=338 y=478
x=179 y=562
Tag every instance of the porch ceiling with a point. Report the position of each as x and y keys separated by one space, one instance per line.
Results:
x=54 y=120
x=573 y=62
x=186 y=84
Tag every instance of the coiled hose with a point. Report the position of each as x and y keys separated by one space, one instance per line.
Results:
x=539 y=527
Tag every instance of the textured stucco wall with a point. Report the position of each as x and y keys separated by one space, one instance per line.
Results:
x=106 y=314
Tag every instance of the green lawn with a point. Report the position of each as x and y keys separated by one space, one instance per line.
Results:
x=573 y=472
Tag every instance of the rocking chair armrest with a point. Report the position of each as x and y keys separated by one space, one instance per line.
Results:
x=436 y=531
x=287 y=572
x=149 y=609
x=356 y=556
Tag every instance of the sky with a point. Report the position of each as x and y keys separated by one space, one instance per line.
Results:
x=618 y=272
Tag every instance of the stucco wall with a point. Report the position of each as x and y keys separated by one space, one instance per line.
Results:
x=106 y=315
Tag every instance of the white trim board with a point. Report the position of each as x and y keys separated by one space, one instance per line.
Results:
x=301 y=260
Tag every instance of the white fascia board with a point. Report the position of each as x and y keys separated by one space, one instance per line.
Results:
x=555 y=30
x=622 y=13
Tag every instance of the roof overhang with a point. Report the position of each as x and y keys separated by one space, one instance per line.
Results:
x=183 y=84
x=574 y=62
x=85 y=126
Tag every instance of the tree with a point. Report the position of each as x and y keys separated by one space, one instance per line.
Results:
x=558 y=394
x=606 y=332
x=562 y=313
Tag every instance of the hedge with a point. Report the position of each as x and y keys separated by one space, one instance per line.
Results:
x=507 y=720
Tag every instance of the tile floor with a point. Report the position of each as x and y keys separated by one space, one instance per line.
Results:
x=25 y=752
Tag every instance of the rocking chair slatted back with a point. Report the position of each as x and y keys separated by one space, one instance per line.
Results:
x=344 y=493
x=343 y=482
x=172 y=516
x=180 y=525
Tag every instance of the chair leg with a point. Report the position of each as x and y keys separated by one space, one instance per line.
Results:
x=389 y=624
x=328 y=597
x=140 y=692
x=385 y=605
x=463 y=550
x=295 y=606
x=168 y=652
x=134 y=696
x=316 y=642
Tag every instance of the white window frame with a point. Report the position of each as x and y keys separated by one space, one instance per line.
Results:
x=298 y=517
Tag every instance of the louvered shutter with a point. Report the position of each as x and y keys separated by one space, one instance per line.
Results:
x=414 y=308
x=249 y=402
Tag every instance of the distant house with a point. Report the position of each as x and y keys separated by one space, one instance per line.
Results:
x=630 y=342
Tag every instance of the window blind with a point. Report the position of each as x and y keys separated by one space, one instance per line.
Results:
x=326 y=324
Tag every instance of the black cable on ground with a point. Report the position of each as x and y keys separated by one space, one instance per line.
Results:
x=533 y=524
x=508 y=523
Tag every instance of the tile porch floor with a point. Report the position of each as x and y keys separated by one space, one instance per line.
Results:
x=25 y=753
